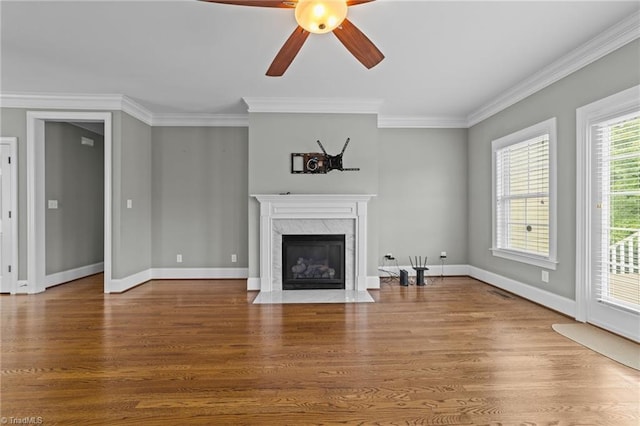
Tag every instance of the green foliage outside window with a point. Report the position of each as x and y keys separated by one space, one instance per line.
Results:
x=625 y=180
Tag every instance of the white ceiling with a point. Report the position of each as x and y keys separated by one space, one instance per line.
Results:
x=443 y=58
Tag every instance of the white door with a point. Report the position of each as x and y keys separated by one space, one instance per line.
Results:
x=614 y=299
x=7 y=215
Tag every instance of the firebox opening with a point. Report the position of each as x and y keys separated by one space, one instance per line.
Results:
x=313 y=262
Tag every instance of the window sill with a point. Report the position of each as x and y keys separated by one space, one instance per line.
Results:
x=543 y=262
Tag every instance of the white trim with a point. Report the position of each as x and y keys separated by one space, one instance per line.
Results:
x=136 y=110
x=313 y=105
x=434 y=270
x=534 y=294
x=415 y=122
x=112 y=102
x=123 y=284
x=35 y=192
x=373 y=283
x=525 y=258
x=198 y=273
x=253 y=284
x=120 y=285
x=15 y=254
x=22 y=287
x=73 y=274
x=608 y=41
x=545 y=127
x=312 y=206
x=200 y=120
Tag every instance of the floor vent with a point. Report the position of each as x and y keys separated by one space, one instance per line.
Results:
x=501 y=294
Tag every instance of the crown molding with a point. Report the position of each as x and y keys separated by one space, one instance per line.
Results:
x=136 y=110
x=314 y=105
x=109 y=102
x=200 y=120
x=608 y=41
x=414 y=122
x=61 y=101
x=118 y=102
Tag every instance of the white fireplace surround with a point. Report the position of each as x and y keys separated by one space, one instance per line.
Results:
x=313 y=214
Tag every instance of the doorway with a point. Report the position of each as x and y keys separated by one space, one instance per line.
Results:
x=608 y=210
x=37 y=203
x=8 y=215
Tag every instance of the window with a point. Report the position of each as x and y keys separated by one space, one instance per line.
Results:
x=524 y=195
x=617 y=191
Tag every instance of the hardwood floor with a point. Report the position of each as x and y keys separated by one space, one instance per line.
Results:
x=457 y=352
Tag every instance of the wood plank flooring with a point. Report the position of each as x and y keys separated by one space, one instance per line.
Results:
x=457 y=352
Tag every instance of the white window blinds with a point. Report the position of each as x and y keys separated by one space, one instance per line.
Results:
x=617 y=191
x=522 y=196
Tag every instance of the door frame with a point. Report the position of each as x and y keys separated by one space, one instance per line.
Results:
x=36 y=255
x=587 y=116
x=12 y=143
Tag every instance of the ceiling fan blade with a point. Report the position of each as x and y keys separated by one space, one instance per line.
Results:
x=288 y=52
x=357 y=2
x=259 y=3
x=358 y=44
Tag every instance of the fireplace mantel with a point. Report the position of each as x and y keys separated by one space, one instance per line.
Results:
x=332 y=208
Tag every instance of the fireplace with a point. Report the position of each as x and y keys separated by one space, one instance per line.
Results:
x=313 y=262
x=313 y=215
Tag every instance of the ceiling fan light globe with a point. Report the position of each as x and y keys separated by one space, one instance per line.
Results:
x=320 y=16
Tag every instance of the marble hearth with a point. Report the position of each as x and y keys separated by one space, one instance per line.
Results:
x=313 y=214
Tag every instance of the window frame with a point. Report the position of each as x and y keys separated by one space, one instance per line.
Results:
x=545 y=127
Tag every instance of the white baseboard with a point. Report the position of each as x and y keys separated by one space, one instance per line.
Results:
x=542 y=297
x=253 y=284
x=22 y=287
x=434 y=270
x=198 y=273
x=124 y=284
x=373 y=283
x=73 y=274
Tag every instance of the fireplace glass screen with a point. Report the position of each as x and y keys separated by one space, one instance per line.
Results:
x=313 y=262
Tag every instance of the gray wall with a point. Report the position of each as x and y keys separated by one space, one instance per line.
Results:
x=611 y=74
x=199 y=193
x=272 y=139
x=257 y=160
x=74 y=176
x=131 y=169
x=131 y=251
x=423 y=194
x=13 y=123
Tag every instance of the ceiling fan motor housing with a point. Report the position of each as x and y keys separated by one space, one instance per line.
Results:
x=320 y=16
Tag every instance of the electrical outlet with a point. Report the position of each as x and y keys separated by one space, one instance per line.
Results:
x=179 y=258
x=234 y=258
x=545 y=276
x=443 y=255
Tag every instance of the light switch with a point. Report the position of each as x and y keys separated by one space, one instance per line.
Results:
x=129 y=204
x=52 y=204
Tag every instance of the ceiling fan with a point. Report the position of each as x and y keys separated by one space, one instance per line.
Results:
x=318 y=17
